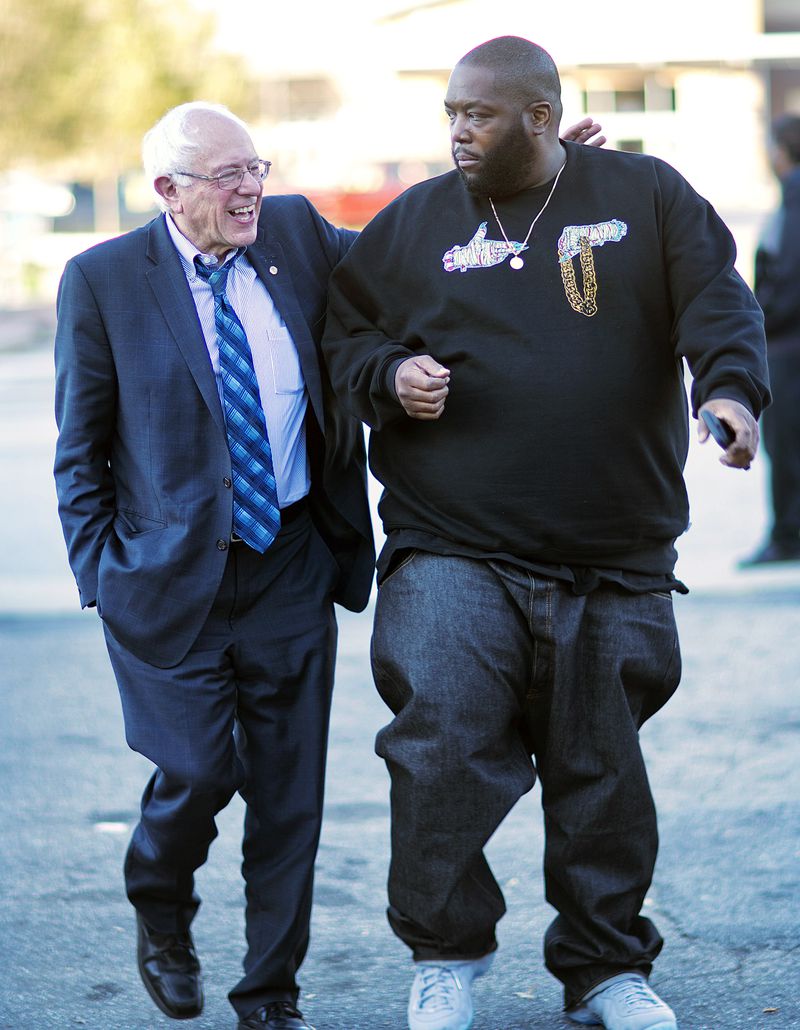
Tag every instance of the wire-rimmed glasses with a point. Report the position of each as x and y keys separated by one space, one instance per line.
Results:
x=231 y=178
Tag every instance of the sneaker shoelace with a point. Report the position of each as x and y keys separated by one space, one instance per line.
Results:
x=439 y=990
x=634 y=994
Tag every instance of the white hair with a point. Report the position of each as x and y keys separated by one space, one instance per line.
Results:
x=174 y=141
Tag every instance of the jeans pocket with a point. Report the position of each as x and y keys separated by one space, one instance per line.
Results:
x=402 y=556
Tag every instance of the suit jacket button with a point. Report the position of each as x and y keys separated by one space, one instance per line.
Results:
x=226 y=483
x=222 y=545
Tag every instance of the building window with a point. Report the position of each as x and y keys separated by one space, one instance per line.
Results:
x=658 y=95
x=296 y=100
x=650 y=94
x=629 y=100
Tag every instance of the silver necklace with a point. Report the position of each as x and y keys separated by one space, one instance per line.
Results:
x=516 y=262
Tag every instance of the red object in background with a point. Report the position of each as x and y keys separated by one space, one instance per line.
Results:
x=353 y=210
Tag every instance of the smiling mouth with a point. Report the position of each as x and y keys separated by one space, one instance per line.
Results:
x=243 y=214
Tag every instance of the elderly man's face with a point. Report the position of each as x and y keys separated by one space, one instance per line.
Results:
x=218 y=220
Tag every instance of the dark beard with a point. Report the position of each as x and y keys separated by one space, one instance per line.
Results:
x=504 y=169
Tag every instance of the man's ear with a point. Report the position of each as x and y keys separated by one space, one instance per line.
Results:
x=537 y=116
x=169 y=192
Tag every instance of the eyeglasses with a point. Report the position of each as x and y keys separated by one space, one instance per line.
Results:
x=231 y=178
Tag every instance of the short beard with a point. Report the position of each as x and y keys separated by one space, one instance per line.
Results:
x=505 y=168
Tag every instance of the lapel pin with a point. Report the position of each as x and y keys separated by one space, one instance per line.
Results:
x=273 y=269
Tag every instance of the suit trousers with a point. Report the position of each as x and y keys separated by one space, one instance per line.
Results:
x=247 y=709
x=485 y=664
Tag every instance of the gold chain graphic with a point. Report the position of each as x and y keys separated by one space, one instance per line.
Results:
x=586 y=304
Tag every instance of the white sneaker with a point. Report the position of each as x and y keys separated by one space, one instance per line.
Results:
x=624 y=1002
x=441 y=994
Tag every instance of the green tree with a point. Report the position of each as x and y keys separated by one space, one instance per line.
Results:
x=82 y=80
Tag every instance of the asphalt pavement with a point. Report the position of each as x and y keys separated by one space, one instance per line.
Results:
x=723 y=758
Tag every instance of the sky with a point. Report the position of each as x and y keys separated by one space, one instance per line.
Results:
x=317 y=32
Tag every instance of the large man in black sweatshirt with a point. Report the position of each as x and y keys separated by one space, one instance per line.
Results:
x=514 y=333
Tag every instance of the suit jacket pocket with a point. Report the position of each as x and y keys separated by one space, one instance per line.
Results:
x=130 y=523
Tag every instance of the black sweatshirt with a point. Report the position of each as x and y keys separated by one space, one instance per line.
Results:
x=565 y=432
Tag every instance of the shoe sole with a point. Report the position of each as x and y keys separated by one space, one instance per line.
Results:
x=463 y=1026
x=591 y=1021
x=241 y=1026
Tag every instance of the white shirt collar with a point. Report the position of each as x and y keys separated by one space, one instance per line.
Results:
x=187 y=251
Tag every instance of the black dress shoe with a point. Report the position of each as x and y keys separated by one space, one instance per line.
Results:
x=771 y=553
x=277 y=1015
x=170 y=970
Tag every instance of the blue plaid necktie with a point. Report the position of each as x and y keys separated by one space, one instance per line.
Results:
x=256 y=515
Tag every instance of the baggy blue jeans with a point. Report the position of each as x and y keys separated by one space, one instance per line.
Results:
x=484 y=665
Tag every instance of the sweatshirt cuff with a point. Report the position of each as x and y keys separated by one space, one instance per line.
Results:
x=389 y=378
x=730 y=393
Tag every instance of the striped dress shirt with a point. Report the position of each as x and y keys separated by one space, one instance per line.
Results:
x=277 y=366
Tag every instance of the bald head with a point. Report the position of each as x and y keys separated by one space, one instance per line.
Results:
x=503 y=102
x=523 y=71
x=180 y=137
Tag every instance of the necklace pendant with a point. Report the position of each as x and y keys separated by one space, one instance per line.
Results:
x=516 y=262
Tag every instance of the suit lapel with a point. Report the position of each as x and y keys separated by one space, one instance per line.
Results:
x=168 y=282
x=265 y=256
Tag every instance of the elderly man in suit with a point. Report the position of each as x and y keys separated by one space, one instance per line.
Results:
x=213 y=501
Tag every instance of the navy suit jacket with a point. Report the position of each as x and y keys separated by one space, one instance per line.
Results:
x=142 y=457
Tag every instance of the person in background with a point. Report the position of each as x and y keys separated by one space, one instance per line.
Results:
x=777 y=273
x=514 y=333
